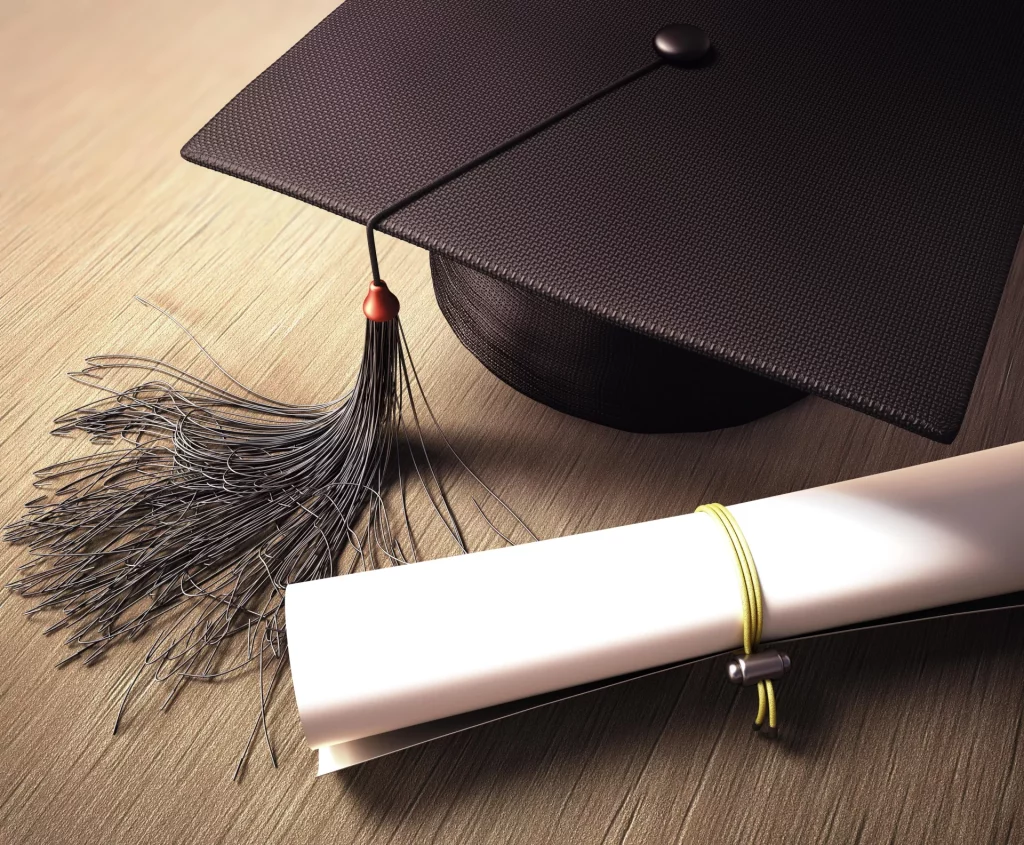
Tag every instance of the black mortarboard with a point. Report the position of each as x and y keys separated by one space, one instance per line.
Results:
x=830 y=199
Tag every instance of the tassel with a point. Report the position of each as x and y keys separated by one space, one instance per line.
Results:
x=211 y=501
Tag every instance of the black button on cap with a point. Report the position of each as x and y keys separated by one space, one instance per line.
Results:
x=682 y=44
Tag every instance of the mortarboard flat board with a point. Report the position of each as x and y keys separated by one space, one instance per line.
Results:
x=828 y=204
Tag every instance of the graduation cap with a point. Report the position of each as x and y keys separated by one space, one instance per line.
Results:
x=673 y=227
x=659 y=215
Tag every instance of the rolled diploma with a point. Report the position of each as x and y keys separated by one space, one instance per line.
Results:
x=382 y=650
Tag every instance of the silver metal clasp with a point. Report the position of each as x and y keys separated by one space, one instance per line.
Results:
x=750 y=669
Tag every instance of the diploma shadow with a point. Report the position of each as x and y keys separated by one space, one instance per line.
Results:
x=609 y=727
x=908 y=684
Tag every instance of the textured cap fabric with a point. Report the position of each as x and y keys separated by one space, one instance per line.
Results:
x=833 y=202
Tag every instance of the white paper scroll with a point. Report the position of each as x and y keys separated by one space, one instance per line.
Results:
x=378 y=652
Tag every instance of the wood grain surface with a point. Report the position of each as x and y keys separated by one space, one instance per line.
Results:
x=906 y=735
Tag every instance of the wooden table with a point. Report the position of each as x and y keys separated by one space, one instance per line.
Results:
x=897 y=736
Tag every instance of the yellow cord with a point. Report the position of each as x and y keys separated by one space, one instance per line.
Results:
x=752 y=605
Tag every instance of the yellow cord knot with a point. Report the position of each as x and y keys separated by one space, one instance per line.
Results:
x=752 y=613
